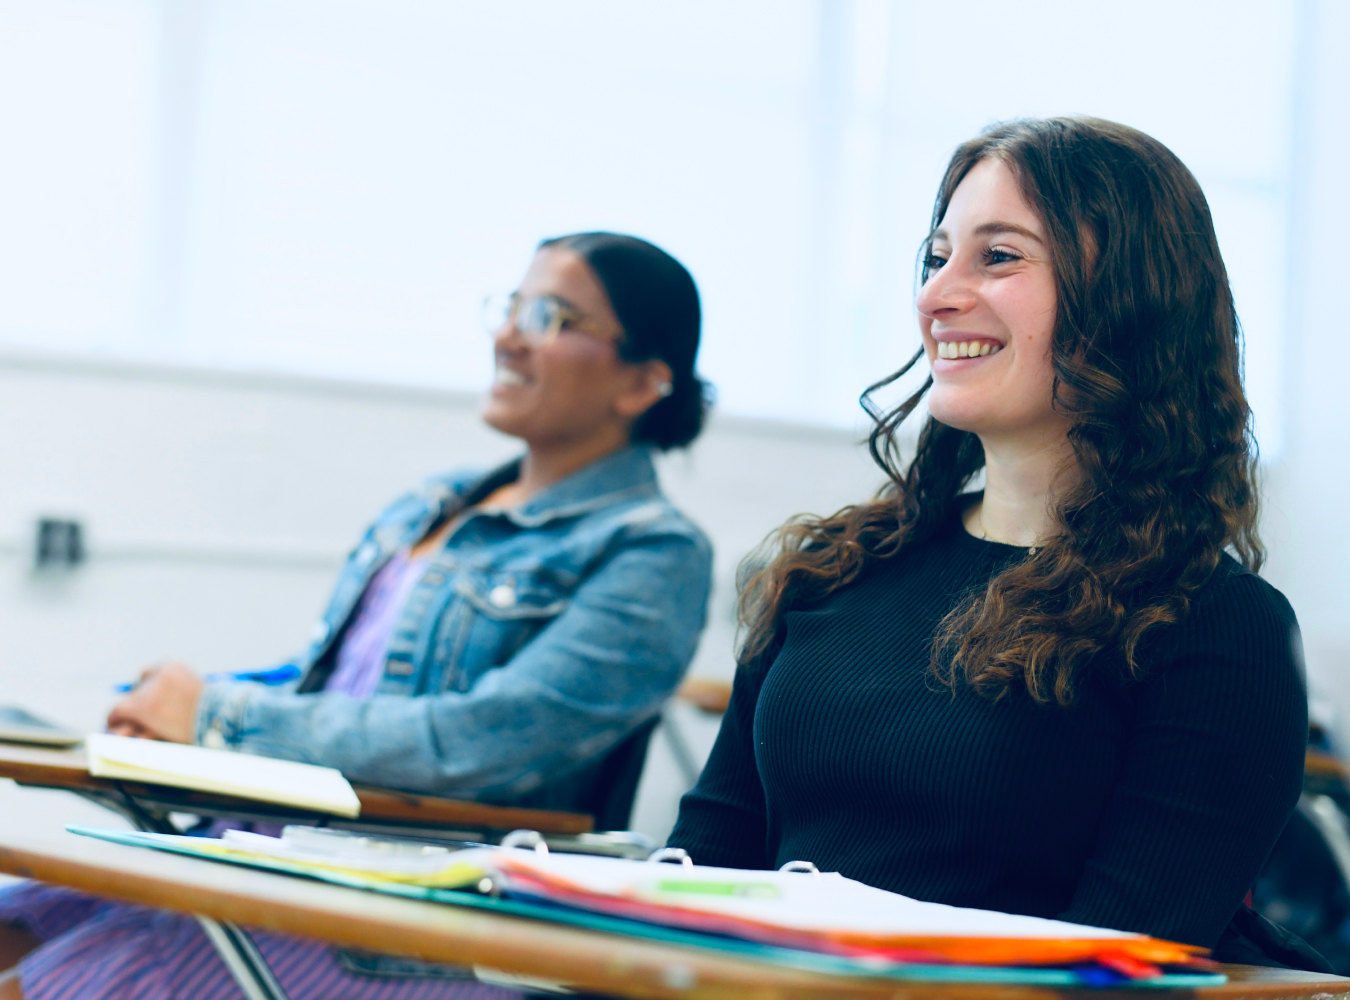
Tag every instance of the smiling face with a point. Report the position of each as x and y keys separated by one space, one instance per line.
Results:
x=987 y=312
x=575 y=388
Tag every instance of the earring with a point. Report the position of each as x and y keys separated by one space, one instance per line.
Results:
x=664 y=389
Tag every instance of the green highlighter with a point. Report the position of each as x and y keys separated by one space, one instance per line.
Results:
x=747 y=890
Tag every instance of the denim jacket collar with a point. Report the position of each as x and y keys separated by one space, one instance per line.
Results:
x=625 y=473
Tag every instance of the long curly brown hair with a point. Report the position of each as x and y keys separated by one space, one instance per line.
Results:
x=1147 y=359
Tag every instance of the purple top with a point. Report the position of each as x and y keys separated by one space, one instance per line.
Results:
x=360 y=659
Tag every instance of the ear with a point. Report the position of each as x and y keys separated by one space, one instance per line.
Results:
x=650 y=383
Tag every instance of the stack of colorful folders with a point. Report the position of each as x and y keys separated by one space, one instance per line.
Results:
x=834 y=915
x=820 y=922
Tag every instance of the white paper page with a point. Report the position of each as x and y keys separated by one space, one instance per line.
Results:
x=266 y=779
x=799 y=901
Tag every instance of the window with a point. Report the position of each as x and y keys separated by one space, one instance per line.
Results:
x=332 y=189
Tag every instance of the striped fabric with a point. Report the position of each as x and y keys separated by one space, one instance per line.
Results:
x=95 y=949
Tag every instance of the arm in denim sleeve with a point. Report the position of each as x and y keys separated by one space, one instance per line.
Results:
x=595 y=672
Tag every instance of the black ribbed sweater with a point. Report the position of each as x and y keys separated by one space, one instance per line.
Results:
x=1147 y=806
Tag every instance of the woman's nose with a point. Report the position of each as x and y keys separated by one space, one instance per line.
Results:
x=947 y=292
x=508 y=339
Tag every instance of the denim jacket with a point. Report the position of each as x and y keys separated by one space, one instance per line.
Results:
x=535 y=640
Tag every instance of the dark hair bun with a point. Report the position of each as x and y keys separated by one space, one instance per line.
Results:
x=656 y=302
x=676 y=420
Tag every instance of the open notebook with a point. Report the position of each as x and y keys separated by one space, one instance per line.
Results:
x=264 y=779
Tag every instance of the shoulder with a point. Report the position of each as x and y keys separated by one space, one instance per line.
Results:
x=623 y=500
x=644 y=549
x=654 y=514
x=648 y=528
x=1235 y=609
x=1238 y=646
x=1230 y=673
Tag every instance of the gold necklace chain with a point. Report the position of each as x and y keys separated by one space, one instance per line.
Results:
x=984 y=535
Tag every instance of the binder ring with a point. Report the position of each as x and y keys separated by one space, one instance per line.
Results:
x=525 y=839
x=801 y=866
x=671 y=854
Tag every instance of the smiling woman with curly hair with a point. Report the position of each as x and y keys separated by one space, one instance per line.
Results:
x=1068 y=694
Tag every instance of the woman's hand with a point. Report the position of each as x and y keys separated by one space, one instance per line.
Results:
x=163 y=706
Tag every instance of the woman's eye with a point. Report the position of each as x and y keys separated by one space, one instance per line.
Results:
x=932 y=262
x=995 y=256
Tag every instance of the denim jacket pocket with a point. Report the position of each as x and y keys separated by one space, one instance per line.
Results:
x=502 y=612
x=511 y=596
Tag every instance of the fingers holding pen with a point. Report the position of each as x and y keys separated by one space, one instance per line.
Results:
x=162 y=706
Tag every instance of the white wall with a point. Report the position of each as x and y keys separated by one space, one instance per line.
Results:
x=1308 y=535
x=218 y=508
x=331 y=187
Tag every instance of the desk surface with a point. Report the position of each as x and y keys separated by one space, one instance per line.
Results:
x=586 y=960
x=68 y=769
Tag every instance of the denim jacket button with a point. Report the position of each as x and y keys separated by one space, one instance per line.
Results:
x=502 y=596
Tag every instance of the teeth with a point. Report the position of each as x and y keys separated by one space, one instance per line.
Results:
x=505 y=376
x=966 y=349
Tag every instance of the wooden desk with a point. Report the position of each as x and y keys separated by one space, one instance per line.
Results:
x=708 y=695
x=585 y=960
x=67 y=769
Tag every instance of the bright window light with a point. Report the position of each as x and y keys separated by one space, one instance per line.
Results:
x=331 y=189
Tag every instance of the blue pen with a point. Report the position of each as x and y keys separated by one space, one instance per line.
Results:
x=269 y=675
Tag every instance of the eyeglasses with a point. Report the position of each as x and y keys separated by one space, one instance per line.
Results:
x=538 y=318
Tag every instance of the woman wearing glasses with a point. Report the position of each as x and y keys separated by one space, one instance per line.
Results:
x=493 y=636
